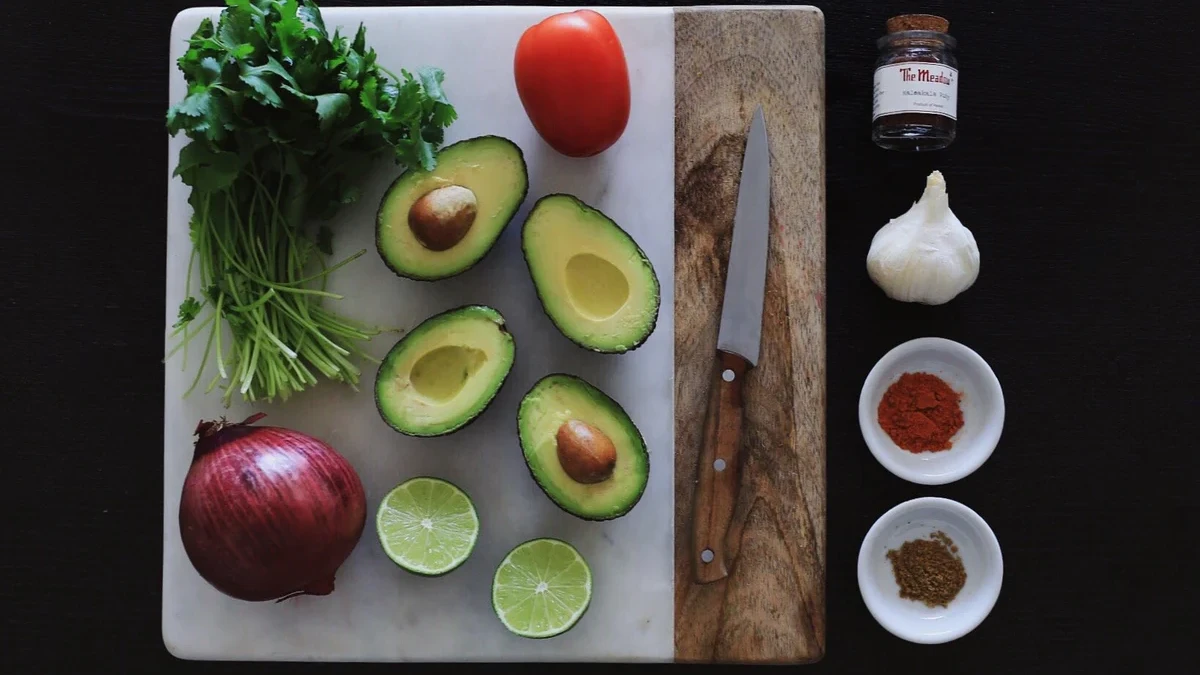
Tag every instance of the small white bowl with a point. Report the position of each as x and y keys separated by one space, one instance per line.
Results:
x=913 y=620
x=982 y=404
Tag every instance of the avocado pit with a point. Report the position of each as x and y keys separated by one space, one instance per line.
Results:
x=442 y=217
x=586 y=454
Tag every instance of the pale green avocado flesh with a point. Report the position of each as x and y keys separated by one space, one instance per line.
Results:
x=493 y=168
x=595 y=283
x=552 y=401
x=445 y=372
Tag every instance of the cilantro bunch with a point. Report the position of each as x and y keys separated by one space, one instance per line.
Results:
x=284 y=120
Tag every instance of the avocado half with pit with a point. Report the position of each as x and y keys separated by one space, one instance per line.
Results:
x=436 y=224
x=582 y=448
x=595 y=283
x=445 y=372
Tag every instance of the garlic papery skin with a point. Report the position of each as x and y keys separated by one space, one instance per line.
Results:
x=926 y=255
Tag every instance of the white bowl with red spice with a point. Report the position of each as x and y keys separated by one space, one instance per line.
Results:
x=931 y=411
x=930 y=570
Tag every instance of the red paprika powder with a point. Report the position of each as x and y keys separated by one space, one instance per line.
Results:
x=920 y=413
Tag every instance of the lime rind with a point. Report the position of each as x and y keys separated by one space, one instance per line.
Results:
x=542 y=588
x=427 y=526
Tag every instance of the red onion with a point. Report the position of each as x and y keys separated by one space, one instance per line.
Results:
x=268 y=513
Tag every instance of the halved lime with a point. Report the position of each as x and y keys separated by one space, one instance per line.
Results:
x=541 y=588
x=427 y=525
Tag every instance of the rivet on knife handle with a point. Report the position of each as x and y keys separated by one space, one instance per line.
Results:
x=717 y=486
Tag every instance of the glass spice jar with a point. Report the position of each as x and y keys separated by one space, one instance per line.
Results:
x=916 y=85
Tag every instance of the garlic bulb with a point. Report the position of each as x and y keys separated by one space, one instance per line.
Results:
x=925 y=255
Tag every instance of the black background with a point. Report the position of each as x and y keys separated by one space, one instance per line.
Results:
x=1075 y=168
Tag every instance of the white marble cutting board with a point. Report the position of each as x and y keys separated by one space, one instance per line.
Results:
x=379 y=612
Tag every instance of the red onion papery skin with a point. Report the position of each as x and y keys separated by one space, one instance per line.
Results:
x=269 y=513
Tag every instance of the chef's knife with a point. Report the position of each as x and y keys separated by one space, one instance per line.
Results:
x=738 y=342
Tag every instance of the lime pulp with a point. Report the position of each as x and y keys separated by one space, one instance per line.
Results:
x=427 y=526
x=541 y=588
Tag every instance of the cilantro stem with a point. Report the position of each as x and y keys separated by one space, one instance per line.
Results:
x=318 y=360
x=249 y=369
x=262 y=300
x=272 y=337
x=212 y=383
x=195 y=330
x=207 y=347
x=325 y=272
x=270 y=284
x=262 y=166
x=220 y=354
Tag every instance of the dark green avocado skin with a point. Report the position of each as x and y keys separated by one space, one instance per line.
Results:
x=612 y=516
x=465 y=423
x=641 y=254
x=499 y=232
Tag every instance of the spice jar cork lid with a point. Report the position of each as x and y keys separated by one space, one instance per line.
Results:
x=930 y=22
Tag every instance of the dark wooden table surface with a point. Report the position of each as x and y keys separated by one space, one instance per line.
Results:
x=1075 y=167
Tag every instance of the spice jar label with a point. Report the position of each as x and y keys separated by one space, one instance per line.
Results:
x=916 y=87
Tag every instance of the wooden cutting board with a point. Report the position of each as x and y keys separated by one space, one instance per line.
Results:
x=771 y=607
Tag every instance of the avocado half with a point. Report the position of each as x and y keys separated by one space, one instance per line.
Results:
x=557 y=399
x=492 y=168
x=595 y=283
x=445 y=372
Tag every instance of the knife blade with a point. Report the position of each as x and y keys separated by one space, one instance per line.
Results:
x=746 y=278
x=739 y=340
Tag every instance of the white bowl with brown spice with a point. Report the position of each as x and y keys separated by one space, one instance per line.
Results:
x=931 y=411
x=930 y=570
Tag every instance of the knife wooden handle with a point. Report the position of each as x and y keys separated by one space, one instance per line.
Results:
x=717 y=479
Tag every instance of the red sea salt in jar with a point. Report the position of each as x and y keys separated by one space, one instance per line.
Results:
x=916 y=85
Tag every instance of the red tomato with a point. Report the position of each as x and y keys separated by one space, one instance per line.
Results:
x=573 y=82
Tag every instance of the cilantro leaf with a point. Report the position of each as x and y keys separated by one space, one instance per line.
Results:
x=311 y=18
x=196 y=104
x=289 y=29
x=285 y=123
x=431 y=80
x=233 y=32
x=273 y=66
x=297 y=93
x=360 y=39
x=434 y=134
x=266 y=93
x=206 y=169
x=369 y=96
x=354 y=66
x=408 y=103
x=204 y=32
x=204 y=70
x=191 y=156
x=424 y=149
x=443 y=116
x=218 y=119
x=188 y=310
x=330 y=107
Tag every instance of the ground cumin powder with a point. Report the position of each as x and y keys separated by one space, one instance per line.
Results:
x=928 y=570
